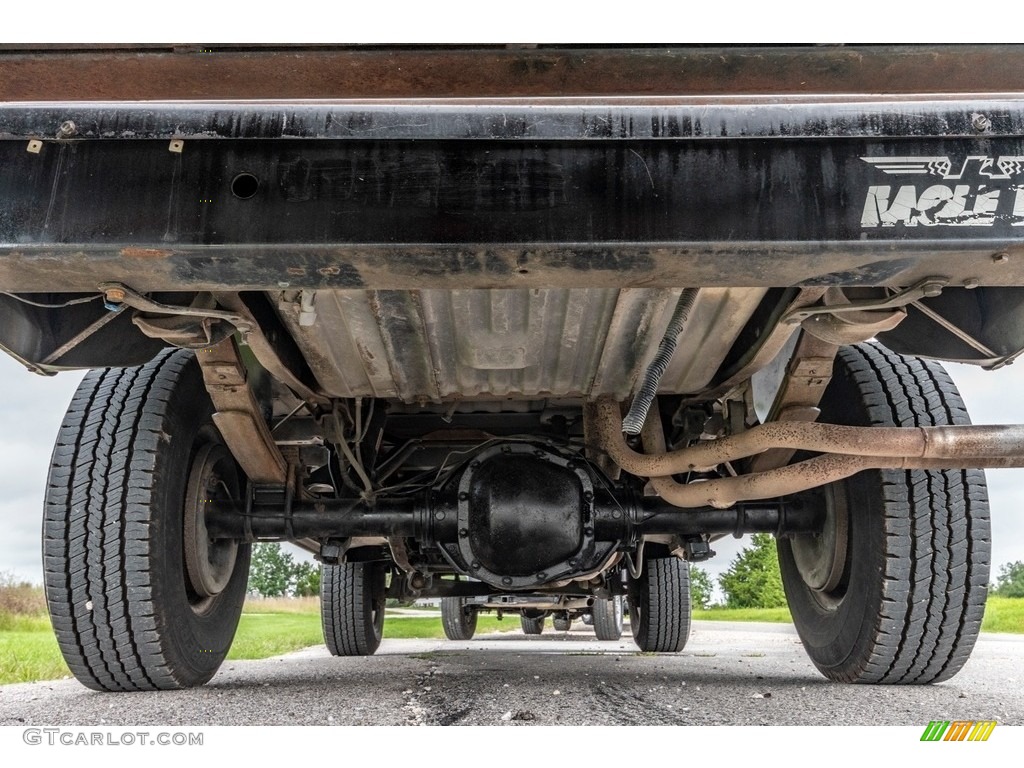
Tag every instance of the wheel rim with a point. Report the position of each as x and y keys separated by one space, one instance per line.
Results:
x=377 y=615
x=821 y=558
x=378 y=604
x=636 y=614
x=209 y=563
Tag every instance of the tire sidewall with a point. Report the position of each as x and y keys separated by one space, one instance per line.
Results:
x=833 y=633
x=639 y=597
x=193 y=643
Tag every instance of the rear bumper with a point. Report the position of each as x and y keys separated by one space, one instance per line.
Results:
x=601 y=193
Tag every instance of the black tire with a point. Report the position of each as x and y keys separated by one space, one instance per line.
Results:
x=608 y=618
x=352 y=603
x=659 y=605
x=532 y=625
x=459 y=623
x=906 y=596
x=126 y=614
x=562 y=623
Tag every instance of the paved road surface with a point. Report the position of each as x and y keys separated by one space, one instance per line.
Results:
x=739 y=674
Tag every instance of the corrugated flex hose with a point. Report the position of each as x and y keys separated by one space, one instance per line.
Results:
x=634 y=420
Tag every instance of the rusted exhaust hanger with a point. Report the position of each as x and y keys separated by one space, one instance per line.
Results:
x=848 y=450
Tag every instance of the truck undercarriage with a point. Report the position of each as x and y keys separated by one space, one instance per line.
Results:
x=511 y=323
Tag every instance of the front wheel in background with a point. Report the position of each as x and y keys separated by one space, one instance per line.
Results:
x=532 y=624
x=140 y=597
x=659 y=605
x=608 y=618
x=458 y=619
x=352 y=601
x=893 y=589
x=562 y=623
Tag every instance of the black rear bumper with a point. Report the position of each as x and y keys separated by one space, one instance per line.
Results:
x=499 y=193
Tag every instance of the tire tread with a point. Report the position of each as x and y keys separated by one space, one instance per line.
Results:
x=457 y=624
x=607 y=619
x=95 y=531
x=345 y=597
x=664 y=619
x=936 y=532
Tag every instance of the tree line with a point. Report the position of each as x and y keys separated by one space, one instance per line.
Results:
x=753 y=579
x=275 y=573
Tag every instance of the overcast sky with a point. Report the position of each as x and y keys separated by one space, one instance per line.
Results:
x=31 y=408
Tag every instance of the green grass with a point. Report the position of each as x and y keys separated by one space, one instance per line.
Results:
x=1004 y=614
x=415 y=626
x=30 y=654
x=774 y=615
x=271 y=634
x=263 y=635
x=28 y=650
x=13 y=622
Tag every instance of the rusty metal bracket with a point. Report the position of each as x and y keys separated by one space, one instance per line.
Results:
x=81 y=336
x=117 y=294
x=237 y=414
x=929 y=287
x=808 y=372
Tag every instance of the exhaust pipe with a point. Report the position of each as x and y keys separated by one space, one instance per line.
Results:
x=848 y=450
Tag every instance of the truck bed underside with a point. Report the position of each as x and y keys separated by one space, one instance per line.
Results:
x=430 y=250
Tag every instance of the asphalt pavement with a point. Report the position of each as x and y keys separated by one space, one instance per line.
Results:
x=735 y=674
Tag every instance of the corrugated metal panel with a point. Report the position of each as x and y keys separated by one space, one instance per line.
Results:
x=435 y=345
x=718 y=316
